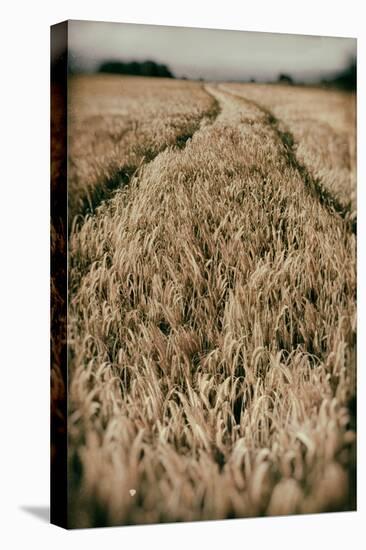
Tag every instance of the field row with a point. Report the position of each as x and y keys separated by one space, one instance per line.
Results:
x=117 y=124
x=212 y=329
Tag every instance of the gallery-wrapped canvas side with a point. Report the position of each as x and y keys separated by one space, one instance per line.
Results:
x=59 y=274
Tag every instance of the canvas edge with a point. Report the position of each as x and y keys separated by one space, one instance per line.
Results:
x=58 y=261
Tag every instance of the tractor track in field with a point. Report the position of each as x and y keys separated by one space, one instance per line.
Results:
x=214 y=293
x=124 y=175
x=225 y=111
x=314 y=185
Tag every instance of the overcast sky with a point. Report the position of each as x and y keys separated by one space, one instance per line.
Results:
x=210 y=54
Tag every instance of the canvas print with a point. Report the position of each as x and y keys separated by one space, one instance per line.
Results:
x=203 y=258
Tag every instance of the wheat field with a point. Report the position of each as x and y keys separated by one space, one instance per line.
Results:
x=212 y=300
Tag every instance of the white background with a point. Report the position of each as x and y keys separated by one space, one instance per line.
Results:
x=24 y=271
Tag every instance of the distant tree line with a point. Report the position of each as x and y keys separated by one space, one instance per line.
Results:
x=346 y=79
x=136 y=68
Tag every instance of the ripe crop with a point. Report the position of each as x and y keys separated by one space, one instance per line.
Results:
x=212 y=310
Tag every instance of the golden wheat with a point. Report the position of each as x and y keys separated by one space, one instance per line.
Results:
x=211 y=322
x=322 y=123
x=117 y=123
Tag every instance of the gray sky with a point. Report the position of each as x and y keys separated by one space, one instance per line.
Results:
x=211 y=54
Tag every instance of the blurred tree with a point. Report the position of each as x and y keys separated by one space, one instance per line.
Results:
x=347 y=79
x=285 y=79
x=144 y=68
